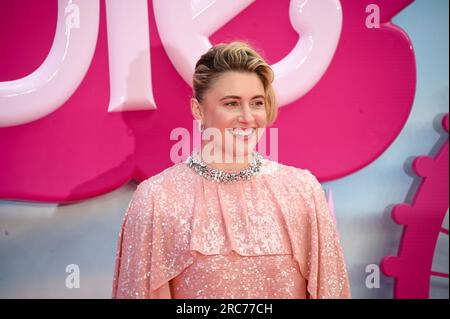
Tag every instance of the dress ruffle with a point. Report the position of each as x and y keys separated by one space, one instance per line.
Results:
x=176 y=215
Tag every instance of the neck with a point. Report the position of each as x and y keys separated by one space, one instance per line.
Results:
x=236 y=164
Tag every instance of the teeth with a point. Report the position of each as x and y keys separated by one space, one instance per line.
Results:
x=242 y=132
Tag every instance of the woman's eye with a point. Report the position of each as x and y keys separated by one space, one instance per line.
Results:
x=258 y=103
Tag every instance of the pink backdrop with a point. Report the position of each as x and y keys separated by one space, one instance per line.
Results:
x=81 y=150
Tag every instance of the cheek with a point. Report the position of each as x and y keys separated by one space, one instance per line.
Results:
x=261 y=118
x=223 y=119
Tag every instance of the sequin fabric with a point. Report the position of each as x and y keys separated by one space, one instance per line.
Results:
x=271 y=236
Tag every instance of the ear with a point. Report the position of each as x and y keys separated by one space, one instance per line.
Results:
x=196 y=109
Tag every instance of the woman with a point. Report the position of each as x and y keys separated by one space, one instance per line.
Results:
x=246 y=228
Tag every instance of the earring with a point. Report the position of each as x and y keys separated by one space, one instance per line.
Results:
x=201 y=126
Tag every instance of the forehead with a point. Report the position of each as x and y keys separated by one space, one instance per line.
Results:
x=243 y=84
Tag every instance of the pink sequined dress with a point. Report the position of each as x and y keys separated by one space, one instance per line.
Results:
x=271 y=236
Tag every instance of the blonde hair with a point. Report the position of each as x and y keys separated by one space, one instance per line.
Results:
x=235 y=56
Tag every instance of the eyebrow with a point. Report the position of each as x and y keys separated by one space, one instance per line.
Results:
x=239 y=98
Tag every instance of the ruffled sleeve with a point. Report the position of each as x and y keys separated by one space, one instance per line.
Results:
x=134 y=252
x=326 y=271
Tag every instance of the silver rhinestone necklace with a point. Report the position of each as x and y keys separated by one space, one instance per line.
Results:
x=217 y=175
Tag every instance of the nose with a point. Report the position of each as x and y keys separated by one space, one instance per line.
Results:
x=246 y=114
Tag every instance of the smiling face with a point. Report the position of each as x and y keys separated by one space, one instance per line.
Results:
x=235 y=106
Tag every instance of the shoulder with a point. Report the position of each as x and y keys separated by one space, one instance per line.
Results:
x=303 y=175
x=301 y=180
x=155 y=189
x=166 y=180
